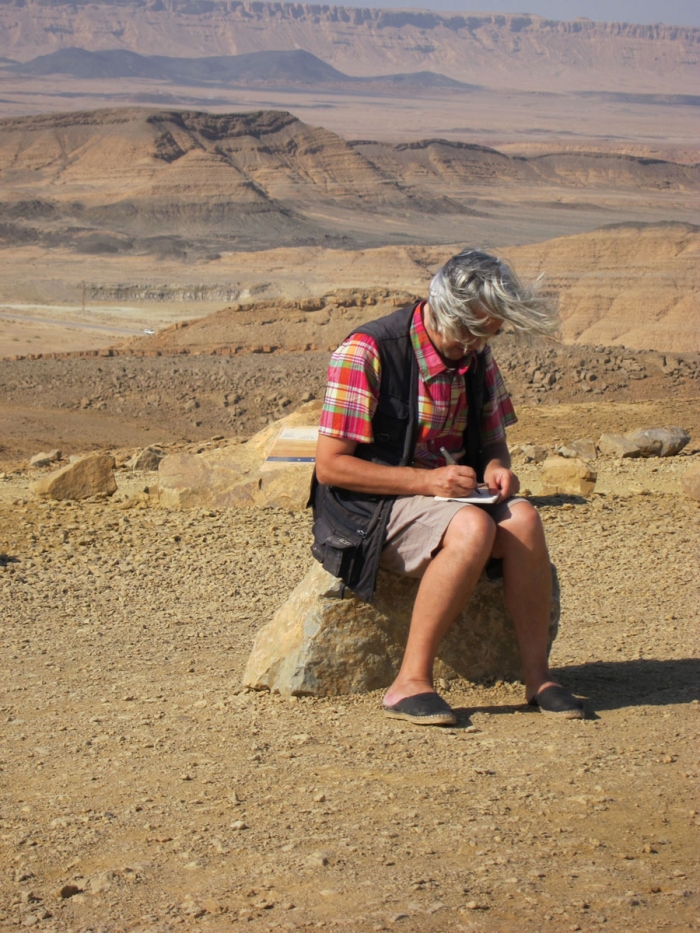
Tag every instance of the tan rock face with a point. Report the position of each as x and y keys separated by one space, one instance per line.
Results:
x=617 y=445
x=234 y=476
x=570 y=476
x=92 y=475
x=147 y=460
x=581 y=448
x=320 y=644
x=45 y=459
x=690 y=482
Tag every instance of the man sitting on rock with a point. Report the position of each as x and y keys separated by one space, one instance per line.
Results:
x=398 y=429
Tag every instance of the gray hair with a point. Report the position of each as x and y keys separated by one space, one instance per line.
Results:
x=472 y=284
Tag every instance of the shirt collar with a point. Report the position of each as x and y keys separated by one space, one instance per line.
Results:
x=429 y=361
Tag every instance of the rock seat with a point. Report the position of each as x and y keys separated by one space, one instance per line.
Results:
x=321 y=643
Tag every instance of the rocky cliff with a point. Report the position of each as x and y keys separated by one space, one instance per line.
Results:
x=479 y=48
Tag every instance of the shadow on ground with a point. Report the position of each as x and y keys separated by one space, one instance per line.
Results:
x=610 y=685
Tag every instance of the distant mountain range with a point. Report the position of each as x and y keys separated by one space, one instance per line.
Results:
x=268 y=68
x=519 y=51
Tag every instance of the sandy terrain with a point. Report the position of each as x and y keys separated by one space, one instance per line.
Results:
x=142 y=790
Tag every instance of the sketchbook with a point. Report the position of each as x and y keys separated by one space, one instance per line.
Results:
x=479 y=496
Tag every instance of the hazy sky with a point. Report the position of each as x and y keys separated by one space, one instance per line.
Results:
x=674 y=12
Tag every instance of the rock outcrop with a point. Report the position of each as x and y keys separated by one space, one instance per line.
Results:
x=147 y=460
x=45 y=459
x=321 y=644
x=583 y=448
x=92 y=475
x=571 y=476
x=617 y=445
x=659 y=442
x=236 y=476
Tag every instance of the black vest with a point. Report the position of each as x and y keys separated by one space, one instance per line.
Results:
x=349 y=527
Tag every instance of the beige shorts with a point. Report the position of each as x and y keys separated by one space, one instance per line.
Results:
x=416 y=527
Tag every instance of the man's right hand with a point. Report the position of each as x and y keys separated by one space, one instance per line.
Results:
x=453 y=480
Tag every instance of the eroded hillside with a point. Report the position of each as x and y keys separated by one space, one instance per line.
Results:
x=191 y=184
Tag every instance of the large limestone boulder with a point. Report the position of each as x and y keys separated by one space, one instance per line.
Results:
x=92 y=475
x=618 y=446
x=321 y=644
x=239 y=476
x=569 y=476
x=690 y=482
x=659 y=442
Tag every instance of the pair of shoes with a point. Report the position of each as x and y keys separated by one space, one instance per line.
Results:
x=423 y=709
x=558 y=701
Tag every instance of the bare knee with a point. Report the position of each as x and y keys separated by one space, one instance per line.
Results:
x=471 y=529
x=521 y=522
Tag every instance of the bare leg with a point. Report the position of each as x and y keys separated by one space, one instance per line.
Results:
x=527 y=579
x=444 y=590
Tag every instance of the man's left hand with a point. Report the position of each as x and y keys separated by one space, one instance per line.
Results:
x=503 y=481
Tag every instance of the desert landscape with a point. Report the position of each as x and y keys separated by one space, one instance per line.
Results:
x=198 y=201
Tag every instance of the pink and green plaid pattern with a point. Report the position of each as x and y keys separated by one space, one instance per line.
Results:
x=354 y=377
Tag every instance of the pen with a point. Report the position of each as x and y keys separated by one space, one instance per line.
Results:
x=483 y=487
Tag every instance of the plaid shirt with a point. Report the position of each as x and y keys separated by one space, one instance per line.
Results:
x=352 y=393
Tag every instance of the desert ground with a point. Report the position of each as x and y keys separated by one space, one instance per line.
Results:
x=144 y=789
x=176 y=271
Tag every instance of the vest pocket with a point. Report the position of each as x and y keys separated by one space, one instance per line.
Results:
x=337 y=552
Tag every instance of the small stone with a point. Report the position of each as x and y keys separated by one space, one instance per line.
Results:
x=69 y=890
x=238 y=826
x=319 y=798
x=318 y=859
x=147 y=460
x=533 y=453
x=582 y=448
x=102 y=882
x=45 y=459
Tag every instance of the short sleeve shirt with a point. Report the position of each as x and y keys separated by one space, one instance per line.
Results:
x=352 y=393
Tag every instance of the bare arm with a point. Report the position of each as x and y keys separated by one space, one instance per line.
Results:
x=336 y=465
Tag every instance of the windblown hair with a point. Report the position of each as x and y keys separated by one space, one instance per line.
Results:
x=472 y=283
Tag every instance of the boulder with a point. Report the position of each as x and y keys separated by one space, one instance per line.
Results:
x=45 y=459
x=238 y=476
x=573 y=476
x=92 y=475
x=325 y=642
x=659 y=442
x=582 y=448
x=690 y=482
x=617 y=445
x=534 y=453
x=148 y=460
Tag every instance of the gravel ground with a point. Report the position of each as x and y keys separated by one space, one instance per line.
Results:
x=143 y=790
